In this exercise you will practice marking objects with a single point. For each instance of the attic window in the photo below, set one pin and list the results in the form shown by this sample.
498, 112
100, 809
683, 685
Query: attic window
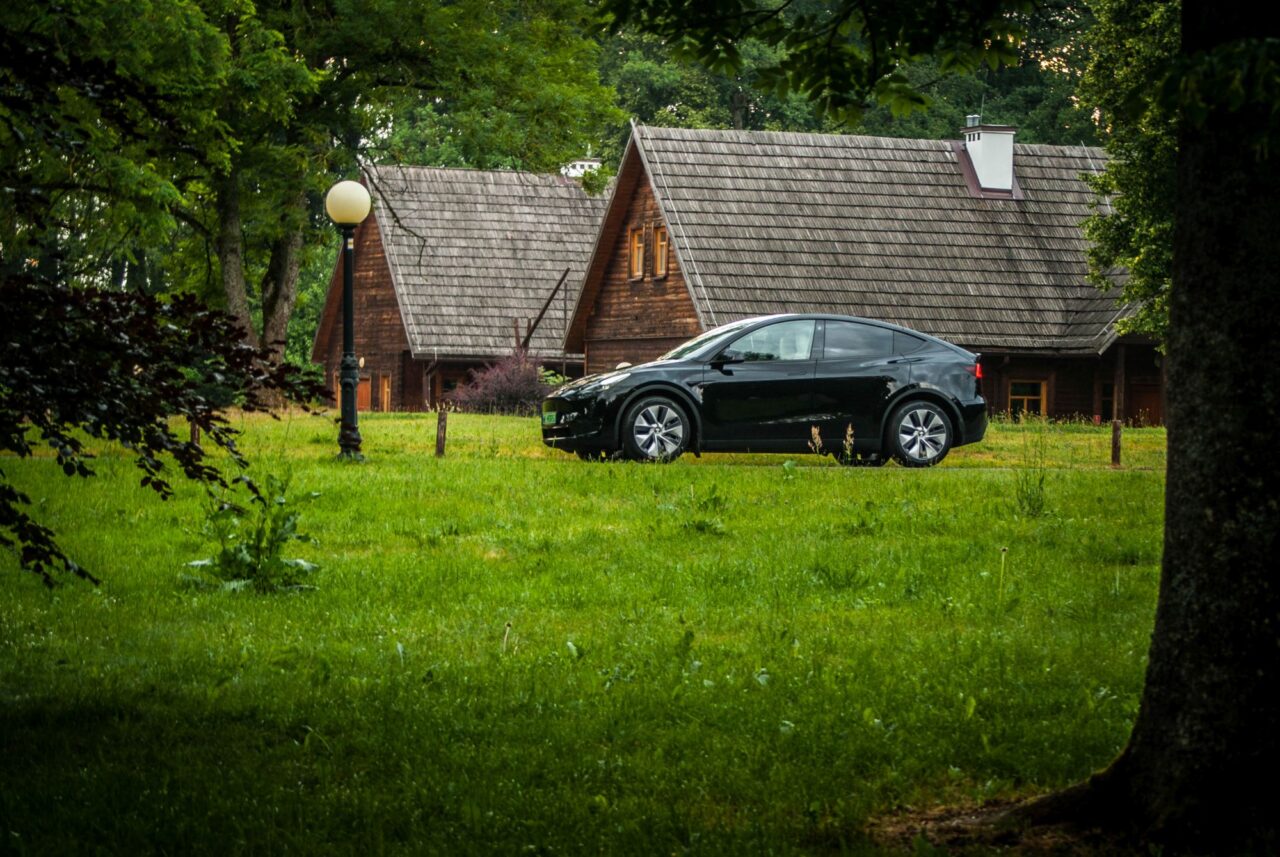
660, 245
635, 267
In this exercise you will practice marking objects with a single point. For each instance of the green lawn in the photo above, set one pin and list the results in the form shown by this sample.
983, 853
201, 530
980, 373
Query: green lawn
511, 651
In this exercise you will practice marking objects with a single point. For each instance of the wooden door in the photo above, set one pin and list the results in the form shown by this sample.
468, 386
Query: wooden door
384, 393
364, 395
1145, 406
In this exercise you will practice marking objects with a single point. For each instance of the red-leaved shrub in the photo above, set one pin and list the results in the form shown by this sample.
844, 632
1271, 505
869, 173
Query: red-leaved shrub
513, 385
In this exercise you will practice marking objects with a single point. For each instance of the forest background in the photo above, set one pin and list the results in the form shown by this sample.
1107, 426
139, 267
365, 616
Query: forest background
184, 146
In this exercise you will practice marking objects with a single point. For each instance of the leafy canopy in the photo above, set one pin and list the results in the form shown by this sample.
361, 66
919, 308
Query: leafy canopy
841, 56
82, 363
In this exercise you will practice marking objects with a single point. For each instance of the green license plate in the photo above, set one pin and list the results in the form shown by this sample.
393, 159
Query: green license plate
549, 418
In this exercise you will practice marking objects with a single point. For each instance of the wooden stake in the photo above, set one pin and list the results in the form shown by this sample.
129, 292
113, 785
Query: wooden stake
442, 421
1115, 442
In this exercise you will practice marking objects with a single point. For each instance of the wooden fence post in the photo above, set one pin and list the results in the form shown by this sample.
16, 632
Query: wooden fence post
442, 420
1115, 442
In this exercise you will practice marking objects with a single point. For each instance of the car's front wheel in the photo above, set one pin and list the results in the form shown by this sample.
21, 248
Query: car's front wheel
655, 429
920, 434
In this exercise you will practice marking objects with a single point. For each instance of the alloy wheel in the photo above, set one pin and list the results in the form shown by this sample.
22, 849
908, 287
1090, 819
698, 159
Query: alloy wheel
922, 434
658, 430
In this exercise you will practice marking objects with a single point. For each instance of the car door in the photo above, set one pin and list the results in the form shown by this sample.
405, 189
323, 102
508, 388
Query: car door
858, 372
757, 393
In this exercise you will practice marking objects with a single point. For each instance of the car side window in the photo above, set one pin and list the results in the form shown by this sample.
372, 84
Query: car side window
905, 343
846, 340
786, 340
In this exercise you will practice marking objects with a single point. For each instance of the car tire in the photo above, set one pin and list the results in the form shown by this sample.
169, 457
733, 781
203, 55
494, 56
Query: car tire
920, 434
655, 428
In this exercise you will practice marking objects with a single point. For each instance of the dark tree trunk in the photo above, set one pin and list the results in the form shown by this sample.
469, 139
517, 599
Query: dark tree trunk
230, 246
739, 101
280, 282
1204, 748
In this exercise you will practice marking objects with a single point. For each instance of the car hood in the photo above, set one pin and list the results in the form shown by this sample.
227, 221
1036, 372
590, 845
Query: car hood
604, 377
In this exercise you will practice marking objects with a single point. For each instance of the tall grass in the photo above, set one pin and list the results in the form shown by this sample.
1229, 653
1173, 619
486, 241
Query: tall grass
511, 651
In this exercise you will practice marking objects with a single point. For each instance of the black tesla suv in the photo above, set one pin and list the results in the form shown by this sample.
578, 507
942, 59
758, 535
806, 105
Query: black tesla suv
861, 390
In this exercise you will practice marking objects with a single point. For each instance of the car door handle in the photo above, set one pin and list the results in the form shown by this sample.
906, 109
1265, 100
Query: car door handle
905, 360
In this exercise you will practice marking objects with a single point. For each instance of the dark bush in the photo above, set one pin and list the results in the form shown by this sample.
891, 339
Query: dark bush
513, 385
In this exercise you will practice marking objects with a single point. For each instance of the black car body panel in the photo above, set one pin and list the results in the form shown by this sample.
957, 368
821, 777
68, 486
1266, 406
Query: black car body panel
754, 387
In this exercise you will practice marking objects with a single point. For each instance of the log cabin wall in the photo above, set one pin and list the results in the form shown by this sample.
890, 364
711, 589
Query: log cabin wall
379, 335
639, 318
1080, 387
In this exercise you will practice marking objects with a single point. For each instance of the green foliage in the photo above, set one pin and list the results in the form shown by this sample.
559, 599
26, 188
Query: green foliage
84, 364
1132, 47
1029, 491
251, 543
1139, 83
837, 654
528, 95
842, 57
186, 144
551, 378
91, 92
659, 81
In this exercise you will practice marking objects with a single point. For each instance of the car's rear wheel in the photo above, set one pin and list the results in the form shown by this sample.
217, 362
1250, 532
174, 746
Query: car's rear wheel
655, 429
920, 434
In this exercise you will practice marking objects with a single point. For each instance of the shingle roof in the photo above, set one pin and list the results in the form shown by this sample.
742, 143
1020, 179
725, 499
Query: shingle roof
470, 250
768, 222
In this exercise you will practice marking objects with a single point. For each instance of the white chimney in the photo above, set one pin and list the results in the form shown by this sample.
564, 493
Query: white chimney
990, 149
577, 169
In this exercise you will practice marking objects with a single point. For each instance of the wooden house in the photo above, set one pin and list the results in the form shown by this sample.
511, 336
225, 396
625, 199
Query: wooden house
453, 269
977, 241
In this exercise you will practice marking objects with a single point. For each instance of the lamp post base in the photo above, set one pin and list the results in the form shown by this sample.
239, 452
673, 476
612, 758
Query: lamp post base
349, 443
349, 440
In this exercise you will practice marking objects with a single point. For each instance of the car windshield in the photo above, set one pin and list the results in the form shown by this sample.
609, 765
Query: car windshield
699, 342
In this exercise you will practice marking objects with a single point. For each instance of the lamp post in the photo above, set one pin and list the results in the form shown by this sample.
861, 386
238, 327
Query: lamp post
347, 204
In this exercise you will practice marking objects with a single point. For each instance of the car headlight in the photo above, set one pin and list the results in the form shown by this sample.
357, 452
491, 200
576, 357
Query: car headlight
613, 379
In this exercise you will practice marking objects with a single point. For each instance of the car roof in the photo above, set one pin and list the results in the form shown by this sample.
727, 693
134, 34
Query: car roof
761, 320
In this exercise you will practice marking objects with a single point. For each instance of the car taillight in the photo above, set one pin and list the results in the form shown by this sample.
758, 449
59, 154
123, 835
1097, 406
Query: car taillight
976, 371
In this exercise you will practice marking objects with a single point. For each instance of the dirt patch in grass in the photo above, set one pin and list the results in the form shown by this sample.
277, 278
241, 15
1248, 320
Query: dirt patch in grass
988, 829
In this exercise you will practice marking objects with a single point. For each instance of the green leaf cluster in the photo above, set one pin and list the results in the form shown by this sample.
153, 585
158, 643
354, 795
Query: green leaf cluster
251, 542
1132, 47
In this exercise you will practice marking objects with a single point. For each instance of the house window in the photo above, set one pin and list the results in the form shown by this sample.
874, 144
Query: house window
1026, 397
660, 251
635, 267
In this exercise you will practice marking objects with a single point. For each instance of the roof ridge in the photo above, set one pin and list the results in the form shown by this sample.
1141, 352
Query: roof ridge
799, 137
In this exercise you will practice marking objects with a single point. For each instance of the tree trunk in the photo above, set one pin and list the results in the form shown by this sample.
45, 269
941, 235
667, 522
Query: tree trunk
739, 101
1209, 725
280, 282
231, 254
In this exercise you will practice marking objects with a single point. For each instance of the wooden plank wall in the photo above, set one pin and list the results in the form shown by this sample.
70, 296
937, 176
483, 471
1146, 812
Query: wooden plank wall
380, 335
638, 319
1073, 385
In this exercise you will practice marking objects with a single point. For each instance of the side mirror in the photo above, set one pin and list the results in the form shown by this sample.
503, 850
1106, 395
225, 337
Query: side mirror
726, 357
